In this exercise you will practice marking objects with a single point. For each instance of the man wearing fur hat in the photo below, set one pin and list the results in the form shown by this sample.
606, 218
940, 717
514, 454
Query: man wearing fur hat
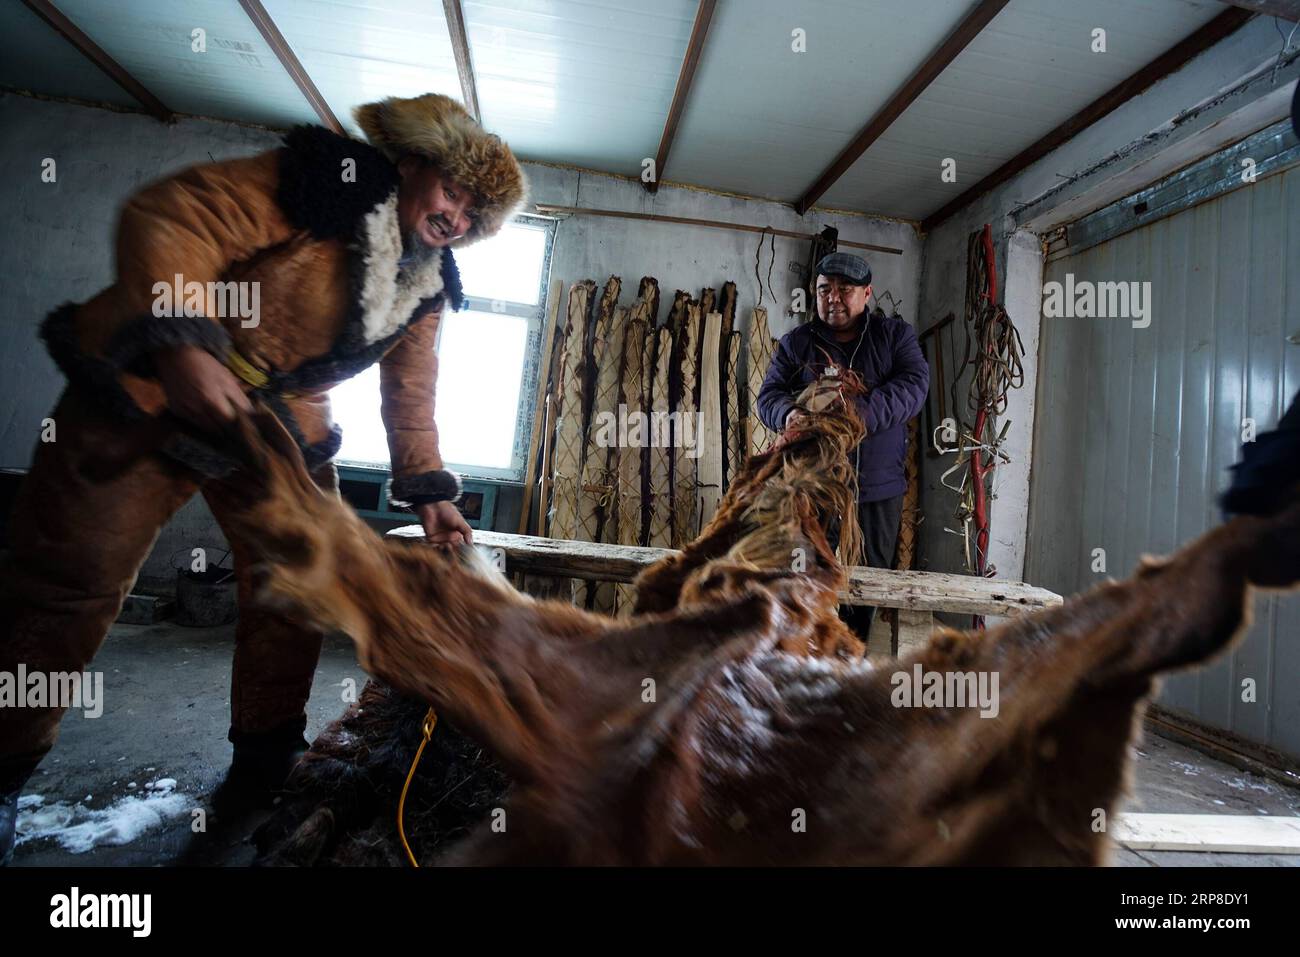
348, 247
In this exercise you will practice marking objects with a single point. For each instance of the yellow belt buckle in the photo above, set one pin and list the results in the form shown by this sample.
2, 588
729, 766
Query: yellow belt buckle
250, 373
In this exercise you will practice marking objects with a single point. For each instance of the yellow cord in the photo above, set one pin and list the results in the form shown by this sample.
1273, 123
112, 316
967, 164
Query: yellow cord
250, 373
430, 721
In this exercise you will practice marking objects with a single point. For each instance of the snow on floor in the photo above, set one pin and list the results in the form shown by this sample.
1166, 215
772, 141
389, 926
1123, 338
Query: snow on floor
78, 828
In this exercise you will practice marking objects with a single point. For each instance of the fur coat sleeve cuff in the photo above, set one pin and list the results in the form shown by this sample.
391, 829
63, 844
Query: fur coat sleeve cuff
439, 485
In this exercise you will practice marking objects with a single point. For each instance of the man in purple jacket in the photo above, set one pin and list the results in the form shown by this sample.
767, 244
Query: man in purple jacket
885, 353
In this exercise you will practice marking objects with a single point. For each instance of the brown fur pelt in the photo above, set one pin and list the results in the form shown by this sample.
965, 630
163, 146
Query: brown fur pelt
732, 720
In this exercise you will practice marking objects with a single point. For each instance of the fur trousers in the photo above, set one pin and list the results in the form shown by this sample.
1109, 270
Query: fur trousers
84, 522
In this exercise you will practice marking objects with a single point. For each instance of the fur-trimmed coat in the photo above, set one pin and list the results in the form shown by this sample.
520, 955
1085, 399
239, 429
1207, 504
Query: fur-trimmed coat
324, 248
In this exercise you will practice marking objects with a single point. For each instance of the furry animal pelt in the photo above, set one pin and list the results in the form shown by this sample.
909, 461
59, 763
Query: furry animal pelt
734, 720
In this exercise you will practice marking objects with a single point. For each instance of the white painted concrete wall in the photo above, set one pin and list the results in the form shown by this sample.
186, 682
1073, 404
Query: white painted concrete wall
59, 247
1189, 114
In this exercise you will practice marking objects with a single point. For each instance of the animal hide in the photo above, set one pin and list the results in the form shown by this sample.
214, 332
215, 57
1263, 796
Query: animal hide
733, 719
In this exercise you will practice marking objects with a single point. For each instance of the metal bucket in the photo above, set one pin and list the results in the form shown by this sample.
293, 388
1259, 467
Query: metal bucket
206, 598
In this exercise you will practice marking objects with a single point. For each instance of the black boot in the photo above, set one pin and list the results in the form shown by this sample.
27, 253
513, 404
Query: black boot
12, 780
262, 762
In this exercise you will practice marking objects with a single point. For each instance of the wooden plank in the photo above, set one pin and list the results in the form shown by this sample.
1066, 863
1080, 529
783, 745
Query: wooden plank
661, 451
1169, 61
649, 291
280, 47
598, 494
911, 629
921, 591
761, 349
539, 406
691, 60
547, 208
630, 452
543, 494
733, 435
97, 55
1221, 833
924, 75
712, 452
460, 50
686, 434
571, 428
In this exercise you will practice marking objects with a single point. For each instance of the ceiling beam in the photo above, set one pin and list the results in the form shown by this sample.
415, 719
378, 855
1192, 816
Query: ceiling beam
280, 47
1169, 61
1286, 9
694, 47
460, 47
957, 41
96, 54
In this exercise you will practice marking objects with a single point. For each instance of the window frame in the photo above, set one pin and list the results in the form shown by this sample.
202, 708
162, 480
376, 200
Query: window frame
533, 359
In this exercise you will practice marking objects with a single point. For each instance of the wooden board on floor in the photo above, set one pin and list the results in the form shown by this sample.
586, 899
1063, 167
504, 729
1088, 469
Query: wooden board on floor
1223, 833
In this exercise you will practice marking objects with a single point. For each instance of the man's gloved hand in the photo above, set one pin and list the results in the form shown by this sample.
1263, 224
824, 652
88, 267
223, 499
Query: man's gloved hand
443, 524
794, 417
199, 388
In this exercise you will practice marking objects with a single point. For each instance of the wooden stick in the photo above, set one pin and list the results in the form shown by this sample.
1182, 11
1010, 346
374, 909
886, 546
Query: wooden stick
543, 386
711, 450
545, 208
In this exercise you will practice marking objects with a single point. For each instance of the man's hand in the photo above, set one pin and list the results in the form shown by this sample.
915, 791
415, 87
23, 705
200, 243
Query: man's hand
794, 417
199, 388
443, 524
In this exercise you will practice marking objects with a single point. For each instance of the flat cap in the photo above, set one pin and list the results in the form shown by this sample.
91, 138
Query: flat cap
846, 265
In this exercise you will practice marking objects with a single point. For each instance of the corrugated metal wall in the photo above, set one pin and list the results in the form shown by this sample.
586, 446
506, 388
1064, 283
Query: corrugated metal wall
1137, 427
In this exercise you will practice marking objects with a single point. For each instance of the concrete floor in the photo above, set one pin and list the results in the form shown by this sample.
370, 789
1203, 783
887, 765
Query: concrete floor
166, 714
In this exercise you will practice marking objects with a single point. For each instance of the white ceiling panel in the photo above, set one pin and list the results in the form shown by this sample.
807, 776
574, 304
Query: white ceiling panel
237, 78
1028, 71
586, 83
359, 51
34, 57
765, 120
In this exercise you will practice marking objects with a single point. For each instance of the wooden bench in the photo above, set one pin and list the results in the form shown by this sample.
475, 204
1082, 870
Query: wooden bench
916, 594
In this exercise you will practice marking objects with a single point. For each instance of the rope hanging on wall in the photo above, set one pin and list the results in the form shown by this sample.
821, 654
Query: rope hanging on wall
993, 352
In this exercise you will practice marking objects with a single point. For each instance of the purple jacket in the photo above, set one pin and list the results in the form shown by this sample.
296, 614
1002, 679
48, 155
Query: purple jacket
888, 358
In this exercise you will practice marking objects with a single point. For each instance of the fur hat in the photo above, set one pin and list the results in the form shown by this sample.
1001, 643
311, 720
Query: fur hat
439, 129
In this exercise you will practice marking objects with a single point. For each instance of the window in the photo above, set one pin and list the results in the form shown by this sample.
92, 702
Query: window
488, 362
